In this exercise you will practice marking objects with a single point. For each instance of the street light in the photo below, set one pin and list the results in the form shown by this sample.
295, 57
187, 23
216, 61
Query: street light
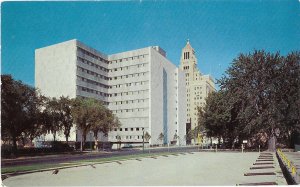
91, 141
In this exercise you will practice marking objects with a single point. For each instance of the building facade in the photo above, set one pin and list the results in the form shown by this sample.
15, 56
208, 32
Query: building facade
141, 87
198, 86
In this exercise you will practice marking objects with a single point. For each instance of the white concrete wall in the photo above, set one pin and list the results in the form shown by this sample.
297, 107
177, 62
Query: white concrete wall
55, 69
182, 107
161, 115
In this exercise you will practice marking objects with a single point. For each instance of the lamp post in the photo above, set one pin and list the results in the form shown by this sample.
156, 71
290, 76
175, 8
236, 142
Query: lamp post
91, 141
143, 140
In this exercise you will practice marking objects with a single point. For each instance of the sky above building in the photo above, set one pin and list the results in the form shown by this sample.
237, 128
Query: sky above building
218, 30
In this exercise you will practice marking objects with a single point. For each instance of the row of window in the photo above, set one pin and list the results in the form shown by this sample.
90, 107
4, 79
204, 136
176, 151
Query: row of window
84, 61
127, 67
126, 129
89, 90
130, 75
92, 82
129, 110
91, 73
130, 84
129, 137
129, 101
85, 52
128, 58
186, 55
131, 93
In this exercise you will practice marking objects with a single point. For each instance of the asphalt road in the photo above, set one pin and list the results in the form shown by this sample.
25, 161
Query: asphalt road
56, 159
197, 168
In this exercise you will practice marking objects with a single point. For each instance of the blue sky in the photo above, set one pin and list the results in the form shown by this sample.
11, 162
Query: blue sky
218, 30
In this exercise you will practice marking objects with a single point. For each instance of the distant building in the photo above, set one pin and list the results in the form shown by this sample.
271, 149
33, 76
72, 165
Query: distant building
141, 87
198, 86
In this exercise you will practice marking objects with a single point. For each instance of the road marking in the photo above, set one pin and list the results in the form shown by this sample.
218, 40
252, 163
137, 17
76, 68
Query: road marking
254, 174
263, 167
55, 171
265, 163
258, 184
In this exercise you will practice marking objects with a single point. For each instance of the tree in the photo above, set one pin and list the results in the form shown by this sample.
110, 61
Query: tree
118, 137
20, 106
161, 137
83, 112
264, 93
52, 117
90, 114
65, 115
147, 136
218, 118
106, 121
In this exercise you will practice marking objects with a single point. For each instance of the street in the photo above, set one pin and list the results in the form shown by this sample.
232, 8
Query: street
198, 168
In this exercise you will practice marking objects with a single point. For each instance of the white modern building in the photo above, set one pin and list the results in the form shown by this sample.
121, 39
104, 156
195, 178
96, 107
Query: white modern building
142, 88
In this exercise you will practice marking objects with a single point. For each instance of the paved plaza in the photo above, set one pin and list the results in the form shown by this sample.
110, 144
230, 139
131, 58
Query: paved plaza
198, 168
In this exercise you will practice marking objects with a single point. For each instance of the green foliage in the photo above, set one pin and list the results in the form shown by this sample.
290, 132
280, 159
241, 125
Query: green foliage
161, 137
91, 115
26, 114
259, 95
20, 106
65, 115
147, 136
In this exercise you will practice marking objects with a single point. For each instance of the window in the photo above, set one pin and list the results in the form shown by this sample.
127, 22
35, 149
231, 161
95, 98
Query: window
121, 128
131, 129
137, 129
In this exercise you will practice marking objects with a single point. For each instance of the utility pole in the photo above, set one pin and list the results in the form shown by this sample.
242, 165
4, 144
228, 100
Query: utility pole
143, 140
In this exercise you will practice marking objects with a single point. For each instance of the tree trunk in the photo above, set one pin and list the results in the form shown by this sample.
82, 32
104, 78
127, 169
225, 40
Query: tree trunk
15, 148
54, 136
67, 139
81, 145
23, 141
96, 140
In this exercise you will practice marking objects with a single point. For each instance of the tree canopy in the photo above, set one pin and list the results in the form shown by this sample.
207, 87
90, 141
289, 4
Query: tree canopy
91, 115
28, 114
259, 97
20, 106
